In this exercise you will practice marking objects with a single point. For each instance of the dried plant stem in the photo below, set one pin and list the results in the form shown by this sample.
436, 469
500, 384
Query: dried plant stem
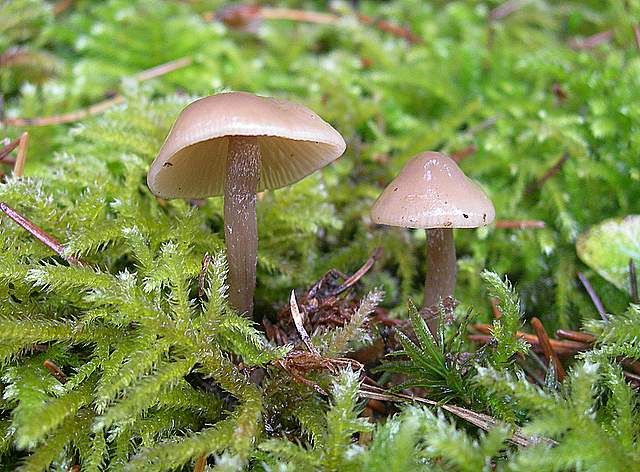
576, 336
505, 9
480, 420
298, 320
594, 296
359, 273
41, 235
18, 168
102, 106
243, 16
201, 463
549, 353
462, 154
553, 170
633, 282
7, 148
592, 41
519, 224
55, 371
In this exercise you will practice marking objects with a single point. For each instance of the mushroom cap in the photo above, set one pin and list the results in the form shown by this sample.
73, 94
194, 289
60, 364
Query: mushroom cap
293, 140
432, 192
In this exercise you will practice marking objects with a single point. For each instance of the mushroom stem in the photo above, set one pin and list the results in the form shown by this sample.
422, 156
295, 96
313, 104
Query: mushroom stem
240, 225
440, 281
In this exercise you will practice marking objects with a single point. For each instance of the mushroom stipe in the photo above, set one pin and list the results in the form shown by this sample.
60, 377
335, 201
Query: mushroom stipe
237, 144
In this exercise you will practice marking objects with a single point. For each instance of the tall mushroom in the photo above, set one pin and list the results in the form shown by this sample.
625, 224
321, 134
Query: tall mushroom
431, 192
238, 144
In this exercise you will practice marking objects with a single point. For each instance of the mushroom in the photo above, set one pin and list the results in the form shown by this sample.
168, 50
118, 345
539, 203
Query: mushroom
238, 144
431, 192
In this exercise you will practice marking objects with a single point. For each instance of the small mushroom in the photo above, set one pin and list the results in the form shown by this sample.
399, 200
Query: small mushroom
237, 144
431, 192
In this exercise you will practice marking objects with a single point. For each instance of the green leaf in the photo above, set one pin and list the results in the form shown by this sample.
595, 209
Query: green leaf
608, 247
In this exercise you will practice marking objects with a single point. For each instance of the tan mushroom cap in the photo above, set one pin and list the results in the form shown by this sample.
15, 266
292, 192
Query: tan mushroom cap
432, 192
293, 140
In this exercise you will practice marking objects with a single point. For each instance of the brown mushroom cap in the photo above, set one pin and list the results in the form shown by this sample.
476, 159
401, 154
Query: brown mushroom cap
293, 140
432, 192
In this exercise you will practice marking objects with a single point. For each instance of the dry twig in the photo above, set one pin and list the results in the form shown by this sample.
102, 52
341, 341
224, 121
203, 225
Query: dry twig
247, 17
594, 296
479, 420
299, 322
102, 106
18, 168
40, 234
549, 353
553, 170
55, 371
633, 282
519, 224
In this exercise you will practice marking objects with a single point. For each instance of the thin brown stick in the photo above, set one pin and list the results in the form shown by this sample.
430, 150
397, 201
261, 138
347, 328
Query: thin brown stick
359, 273
553, 170
519, 224
549, 353
635, 378
299, 322
302, 16
505, 9
62, 6
7, 148
488, 123
592, 41
480, 420
244, 16
497, 314
576, 336
41, 235
201, 463
559, 346
21, 159
633, 282
102, 106
594, 296
636, 35
390, 28
462, 154
202, 277
630, 364
55, 371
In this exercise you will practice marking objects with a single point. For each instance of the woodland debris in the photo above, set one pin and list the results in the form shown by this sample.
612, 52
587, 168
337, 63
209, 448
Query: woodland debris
18, 168
462, 154
553, 170
299, 323
55, 371
327, 304
201, 463
102, 106
594, 296
7, 148
249, 17
297, 363
485, 422
550, 354
519, 224
40, 234
590, 42
505, 9
633, 282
